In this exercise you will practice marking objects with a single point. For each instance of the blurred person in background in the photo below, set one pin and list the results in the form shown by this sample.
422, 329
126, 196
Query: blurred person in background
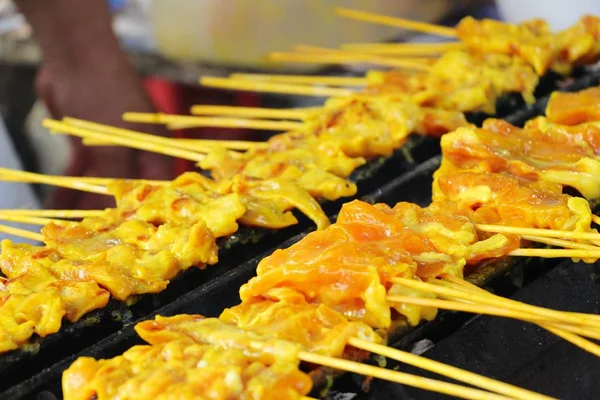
85, 74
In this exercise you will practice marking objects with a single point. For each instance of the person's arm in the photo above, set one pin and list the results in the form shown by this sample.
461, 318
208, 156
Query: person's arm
85, 74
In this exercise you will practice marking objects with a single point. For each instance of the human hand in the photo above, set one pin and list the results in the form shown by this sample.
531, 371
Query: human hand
100, 94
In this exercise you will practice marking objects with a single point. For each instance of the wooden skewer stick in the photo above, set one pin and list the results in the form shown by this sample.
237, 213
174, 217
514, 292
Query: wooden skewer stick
54, 213
494, 311
467, 307
306, 79
556, 253
106, 181
352, 57
193, 122
538, 232
578, 341
447, 370
273, 87
309, 58
557, 329
423, 27
405, 49
453, 293
560, 242
399, 377
596, 219
255, 112
112, 132
191, 143
22, 176
24, 219
140, 144
38, 237
461, 284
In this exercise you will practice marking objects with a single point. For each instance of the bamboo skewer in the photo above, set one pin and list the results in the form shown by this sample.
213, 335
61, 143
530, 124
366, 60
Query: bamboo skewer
30, 220
423, 27
22, 176
94, 184
190, 144
38, 237
306, 79
273, 87
559, 330
449, 371
193, 122
403, 49
399, 377
561, 316
53, 213
556, 253
489, 299
140, 144
467, 307
578, 341
538, 232
112, 133
560, 242
495, 311
320, 55
254, 112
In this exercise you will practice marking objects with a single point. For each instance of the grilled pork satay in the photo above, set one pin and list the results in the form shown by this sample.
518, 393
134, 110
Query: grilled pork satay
461, 81
335, 143
587, 132
85, 261
500, 199
184, 201
35, 302
574, 108
529, 154
193, 197
315, 327
134, 258
350, 265
534, 42
371, 125
213, 361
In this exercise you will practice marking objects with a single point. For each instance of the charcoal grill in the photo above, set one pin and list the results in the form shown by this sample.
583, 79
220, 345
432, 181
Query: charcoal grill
499, 348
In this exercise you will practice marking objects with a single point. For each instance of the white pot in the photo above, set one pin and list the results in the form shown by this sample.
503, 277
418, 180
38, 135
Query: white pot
559, 13
242, 32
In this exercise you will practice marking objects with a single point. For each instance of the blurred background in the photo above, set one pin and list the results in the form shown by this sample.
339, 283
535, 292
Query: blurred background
172, 43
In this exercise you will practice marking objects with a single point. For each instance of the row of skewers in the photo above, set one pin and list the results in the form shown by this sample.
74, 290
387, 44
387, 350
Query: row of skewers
340, 289
161, 228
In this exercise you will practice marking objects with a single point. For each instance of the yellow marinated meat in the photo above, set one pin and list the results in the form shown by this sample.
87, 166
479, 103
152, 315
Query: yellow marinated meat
499, 147
299, 166
499, 199
134, 258
586, 132
186, 200
349, 266
375, 125
534, 42
574, 108
185, 371
280, 196
578, 45
35, 302
465, 82
458, 82
315, 327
